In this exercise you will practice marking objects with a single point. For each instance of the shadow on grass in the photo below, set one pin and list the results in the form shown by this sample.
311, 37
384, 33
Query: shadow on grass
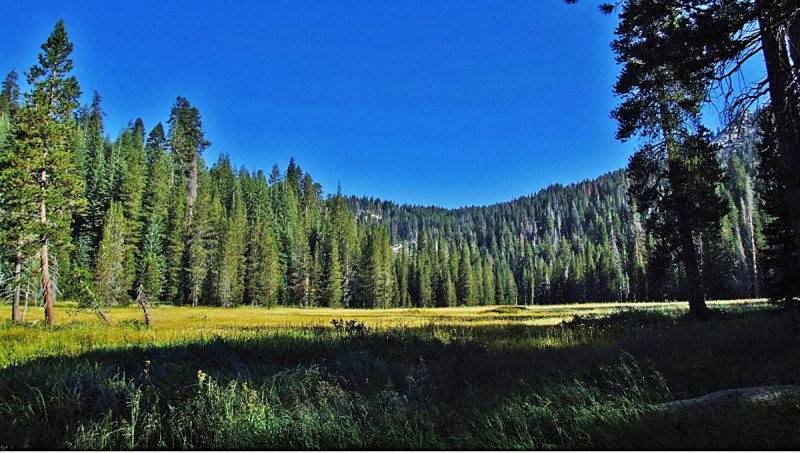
457, 379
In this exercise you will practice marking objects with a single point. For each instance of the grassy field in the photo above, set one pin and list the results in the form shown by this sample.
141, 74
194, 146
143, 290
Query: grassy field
568, 376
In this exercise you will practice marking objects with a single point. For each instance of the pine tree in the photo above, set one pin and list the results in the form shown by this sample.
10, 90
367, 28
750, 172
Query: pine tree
423, 292
667, 171
15, 204
153, 266
263, 277
187, 142
110, 278
488, 281
780, 254
331, 278
707, 42
44, 130
160, 178
466, 294
344, 231
175, 244
231, 247
9, 95
131, 188
98, 174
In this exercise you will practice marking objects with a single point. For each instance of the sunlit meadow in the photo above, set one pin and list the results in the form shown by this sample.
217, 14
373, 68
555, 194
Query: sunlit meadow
565, 376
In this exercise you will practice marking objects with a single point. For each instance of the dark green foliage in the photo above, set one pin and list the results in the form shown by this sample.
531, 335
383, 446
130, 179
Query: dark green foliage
674, 174
262, 276
153, 266
40, 183
110, 276
9, 95
779, 252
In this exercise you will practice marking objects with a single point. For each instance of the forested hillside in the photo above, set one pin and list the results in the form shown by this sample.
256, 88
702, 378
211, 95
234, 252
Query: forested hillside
580, 242
141, 217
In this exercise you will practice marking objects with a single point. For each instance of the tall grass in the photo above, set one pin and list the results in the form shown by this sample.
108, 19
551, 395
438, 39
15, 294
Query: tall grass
355, 383
300, 409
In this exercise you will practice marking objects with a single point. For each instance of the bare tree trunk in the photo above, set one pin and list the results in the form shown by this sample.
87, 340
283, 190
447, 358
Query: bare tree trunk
17, 274
753, 248
97, 306
192, 236
783, 92
25, 310
49, 314
192, 195
793, 32
141, 299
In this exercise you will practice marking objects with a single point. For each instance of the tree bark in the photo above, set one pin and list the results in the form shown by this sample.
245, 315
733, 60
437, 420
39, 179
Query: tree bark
49, 314
753, 247
17, 273
793, 33
783, 93
27, 293
697, 300
694, 280
141, 299
192, 195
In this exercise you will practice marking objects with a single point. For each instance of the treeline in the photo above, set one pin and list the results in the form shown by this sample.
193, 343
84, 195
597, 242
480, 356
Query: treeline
584, 242
142, 218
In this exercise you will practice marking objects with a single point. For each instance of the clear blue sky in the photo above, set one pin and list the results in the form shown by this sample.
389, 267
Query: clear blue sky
447, 103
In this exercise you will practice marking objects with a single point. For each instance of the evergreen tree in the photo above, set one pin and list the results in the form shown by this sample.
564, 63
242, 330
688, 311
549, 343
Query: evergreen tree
488, 281
331, 294
44, 130
780, 254
15, 203
667, 172
262, 265
175, 244
110, 278
152, 268
187, 142
98, 177
231, 246
466, 291
9, 95
708, 42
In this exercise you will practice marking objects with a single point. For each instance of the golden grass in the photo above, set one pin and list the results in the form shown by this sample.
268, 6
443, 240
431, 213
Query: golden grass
81, 330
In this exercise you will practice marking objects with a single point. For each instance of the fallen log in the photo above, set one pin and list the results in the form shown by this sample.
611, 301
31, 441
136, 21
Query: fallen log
730, 397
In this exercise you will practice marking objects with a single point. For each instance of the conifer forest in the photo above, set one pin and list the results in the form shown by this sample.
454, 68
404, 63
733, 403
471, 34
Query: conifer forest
589, 314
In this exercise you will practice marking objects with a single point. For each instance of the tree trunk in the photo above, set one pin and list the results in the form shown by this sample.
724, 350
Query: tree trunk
783, 93
49, 314
141, 299
27, 293
694, 280
753, 248
17, 272
793, 32
697, 300
192, 195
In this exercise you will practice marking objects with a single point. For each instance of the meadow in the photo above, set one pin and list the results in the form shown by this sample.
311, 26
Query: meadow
565, 376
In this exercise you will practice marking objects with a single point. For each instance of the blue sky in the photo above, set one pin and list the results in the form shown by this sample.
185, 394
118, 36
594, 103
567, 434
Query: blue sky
419, 101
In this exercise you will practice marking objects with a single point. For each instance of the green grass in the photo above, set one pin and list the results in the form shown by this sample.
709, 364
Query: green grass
479, 377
